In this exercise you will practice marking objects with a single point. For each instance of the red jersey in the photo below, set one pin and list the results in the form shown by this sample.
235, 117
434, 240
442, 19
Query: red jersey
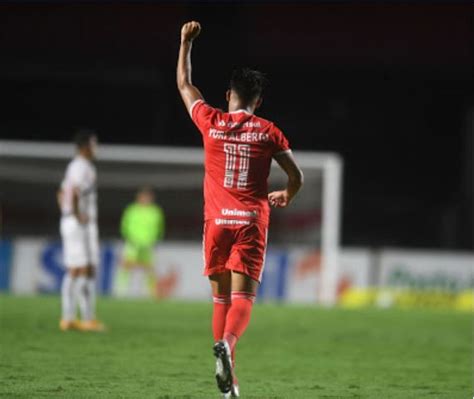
238, 148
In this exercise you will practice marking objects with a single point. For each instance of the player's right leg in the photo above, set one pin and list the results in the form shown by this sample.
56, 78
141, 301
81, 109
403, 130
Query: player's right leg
68, 301
124, 278
75, 259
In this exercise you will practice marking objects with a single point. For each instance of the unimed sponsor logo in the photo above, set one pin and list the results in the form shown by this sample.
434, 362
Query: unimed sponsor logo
238, 212
231, 222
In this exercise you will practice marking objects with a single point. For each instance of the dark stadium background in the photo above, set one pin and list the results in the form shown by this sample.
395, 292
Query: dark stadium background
390, 87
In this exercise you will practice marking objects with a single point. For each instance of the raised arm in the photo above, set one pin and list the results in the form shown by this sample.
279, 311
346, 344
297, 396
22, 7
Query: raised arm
189, 92
281, 199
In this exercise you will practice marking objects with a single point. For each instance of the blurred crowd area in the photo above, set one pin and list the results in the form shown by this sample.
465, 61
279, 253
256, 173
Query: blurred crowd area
389, 87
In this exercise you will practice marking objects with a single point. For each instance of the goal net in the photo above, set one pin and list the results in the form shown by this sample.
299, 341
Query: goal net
30, 174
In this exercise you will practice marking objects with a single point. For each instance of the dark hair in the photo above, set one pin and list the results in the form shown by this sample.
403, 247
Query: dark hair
83, 137
247, 83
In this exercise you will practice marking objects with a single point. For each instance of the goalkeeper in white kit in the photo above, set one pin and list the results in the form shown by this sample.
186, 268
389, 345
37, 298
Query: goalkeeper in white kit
77, 199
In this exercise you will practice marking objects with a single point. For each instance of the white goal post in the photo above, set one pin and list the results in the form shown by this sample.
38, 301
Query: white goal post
329, 164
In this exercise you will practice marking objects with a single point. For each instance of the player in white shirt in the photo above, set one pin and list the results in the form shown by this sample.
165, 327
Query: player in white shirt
77, 199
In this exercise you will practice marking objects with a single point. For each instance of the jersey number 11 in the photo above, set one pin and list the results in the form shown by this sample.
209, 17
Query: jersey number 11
232, 153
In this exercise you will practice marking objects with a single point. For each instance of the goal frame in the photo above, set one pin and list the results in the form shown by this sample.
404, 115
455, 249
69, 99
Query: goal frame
329, 163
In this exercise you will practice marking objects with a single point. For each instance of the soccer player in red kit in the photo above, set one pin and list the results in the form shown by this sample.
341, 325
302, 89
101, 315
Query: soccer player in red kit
239, 148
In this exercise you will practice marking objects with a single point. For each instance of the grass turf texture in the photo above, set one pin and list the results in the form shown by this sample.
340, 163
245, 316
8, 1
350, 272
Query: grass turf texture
163, 350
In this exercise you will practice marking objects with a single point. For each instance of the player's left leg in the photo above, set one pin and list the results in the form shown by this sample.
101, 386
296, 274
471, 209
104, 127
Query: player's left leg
147, 263
90, 322
122, 280
246, 262
75, 259
220, 285
68, 300
218, 242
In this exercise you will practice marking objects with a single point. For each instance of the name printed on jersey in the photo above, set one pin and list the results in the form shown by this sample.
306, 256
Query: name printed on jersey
244, 137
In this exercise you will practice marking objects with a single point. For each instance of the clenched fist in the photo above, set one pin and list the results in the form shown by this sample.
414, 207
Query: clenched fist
190, 31
279, 199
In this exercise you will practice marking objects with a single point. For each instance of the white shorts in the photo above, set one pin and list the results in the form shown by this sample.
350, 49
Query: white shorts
80, 243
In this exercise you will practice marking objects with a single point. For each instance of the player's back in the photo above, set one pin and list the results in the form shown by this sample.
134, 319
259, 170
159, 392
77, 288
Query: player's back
239, 147
80, 175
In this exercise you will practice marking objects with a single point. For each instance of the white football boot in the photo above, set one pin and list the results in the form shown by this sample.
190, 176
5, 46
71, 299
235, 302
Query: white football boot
224, 375
234, 390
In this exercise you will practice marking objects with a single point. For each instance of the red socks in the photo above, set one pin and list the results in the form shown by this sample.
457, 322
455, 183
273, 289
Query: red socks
238, 316
231, 318
221, 306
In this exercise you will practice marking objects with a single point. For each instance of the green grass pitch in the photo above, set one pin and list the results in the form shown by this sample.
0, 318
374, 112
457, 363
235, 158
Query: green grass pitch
163, 350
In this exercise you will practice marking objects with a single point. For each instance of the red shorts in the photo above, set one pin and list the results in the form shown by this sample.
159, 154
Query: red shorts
240, 248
